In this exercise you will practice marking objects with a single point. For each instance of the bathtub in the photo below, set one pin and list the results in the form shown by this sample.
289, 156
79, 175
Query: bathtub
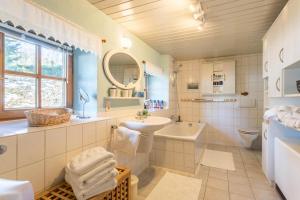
178, 146
181, 131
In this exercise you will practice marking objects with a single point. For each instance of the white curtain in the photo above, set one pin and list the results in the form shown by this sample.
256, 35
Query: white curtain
153, 69
41, 21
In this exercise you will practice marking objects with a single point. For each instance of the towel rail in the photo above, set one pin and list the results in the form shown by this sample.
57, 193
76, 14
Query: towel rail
209, 100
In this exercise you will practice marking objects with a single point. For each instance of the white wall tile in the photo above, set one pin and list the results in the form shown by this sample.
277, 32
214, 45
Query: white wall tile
89, 133
189, 147
56, 140
31, 148
33, 173
101, 130
9, 175
10, 156
178, 146
220, 116
74, 137
54, 170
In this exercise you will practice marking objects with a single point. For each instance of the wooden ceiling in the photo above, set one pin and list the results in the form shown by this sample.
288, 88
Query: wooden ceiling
232, 26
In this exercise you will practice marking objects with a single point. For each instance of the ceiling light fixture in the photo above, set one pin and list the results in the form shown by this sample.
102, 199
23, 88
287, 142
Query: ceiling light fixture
198, 14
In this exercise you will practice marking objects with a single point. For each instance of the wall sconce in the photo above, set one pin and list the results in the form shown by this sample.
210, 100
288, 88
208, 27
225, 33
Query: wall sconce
126, 43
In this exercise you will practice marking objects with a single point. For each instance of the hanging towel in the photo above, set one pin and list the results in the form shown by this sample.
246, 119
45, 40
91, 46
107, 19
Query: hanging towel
96, 189
15, 190
88, 160
145, 143
126, 141
103, 176
106, 167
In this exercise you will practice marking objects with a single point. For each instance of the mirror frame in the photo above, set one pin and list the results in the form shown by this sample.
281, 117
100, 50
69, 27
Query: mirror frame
109, 75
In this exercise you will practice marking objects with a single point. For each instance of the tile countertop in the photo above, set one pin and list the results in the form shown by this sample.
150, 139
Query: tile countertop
16, 127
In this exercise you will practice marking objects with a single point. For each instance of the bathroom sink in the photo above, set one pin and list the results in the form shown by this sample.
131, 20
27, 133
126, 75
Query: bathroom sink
147, 125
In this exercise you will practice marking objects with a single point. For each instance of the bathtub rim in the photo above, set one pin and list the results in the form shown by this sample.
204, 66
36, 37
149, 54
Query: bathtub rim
194, 138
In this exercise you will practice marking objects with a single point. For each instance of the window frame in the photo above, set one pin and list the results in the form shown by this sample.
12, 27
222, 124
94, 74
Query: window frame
9, 114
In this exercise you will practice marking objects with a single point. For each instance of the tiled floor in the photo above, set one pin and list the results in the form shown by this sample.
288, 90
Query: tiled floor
246, 183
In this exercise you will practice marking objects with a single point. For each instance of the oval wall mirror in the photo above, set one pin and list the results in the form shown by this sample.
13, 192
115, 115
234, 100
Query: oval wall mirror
122, 69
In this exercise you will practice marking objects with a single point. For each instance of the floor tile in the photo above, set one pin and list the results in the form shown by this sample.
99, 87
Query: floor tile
240, 197
218, 174
215, 194
237, 179
217, 183
241, 189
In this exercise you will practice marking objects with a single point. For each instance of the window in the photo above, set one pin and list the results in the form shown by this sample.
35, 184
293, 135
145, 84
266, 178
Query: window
34, 76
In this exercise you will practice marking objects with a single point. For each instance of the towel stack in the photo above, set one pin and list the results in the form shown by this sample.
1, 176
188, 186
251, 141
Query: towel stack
288, 115
91, 172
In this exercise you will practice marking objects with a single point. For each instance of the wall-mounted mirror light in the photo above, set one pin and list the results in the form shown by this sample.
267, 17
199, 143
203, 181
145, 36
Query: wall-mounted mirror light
126, 43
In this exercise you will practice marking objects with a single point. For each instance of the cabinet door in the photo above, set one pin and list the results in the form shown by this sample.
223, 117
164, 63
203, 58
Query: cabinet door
266, 51
291, 32
264, 158
206, 78
275, 43
229, 78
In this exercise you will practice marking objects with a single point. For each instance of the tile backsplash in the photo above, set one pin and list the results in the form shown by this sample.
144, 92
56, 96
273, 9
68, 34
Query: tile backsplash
224, 118
40, 157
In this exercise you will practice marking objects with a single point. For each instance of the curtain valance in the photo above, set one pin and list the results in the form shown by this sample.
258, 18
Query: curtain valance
33, 19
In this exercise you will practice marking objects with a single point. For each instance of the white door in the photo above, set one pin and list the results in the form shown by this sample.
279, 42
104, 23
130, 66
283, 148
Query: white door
207, 78
229, 77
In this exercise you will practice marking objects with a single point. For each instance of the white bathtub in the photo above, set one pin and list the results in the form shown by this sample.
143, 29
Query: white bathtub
178, 146
181, 131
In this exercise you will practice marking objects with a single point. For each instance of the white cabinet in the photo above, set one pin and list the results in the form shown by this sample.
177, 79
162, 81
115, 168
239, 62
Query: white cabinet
281, 47
229, 76
275, 44
265, 151
218, 78
291, 31
206, 78
266, 52
287, 163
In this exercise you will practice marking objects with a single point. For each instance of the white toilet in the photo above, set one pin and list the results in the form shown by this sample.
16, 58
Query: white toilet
248, 137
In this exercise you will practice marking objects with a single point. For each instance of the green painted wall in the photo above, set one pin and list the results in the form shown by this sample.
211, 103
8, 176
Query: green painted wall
87, 16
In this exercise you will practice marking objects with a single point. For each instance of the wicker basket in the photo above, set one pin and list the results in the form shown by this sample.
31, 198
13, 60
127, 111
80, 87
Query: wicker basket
47, 117
64, 191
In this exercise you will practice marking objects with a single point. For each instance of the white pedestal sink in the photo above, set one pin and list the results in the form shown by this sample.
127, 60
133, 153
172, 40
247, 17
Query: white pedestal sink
147, 127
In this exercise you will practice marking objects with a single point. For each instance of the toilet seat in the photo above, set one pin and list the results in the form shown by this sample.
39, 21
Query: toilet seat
250, 132
248, 137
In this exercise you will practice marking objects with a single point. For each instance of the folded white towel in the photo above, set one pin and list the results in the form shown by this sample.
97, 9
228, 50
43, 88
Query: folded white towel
283, 115
145, 146
15, 190
98, 178
92, 191
126, 141
108, 166
88, 159
270, 114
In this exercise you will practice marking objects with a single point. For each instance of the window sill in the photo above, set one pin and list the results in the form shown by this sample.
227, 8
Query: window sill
20, 126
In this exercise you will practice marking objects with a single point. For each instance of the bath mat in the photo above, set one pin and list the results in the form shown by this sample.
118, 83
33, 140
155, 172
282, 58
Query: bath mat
176, 187
218, 159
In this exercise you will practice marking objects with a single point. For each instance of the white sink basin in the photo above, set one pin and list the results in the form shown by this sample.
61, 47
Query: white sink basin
148, 125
